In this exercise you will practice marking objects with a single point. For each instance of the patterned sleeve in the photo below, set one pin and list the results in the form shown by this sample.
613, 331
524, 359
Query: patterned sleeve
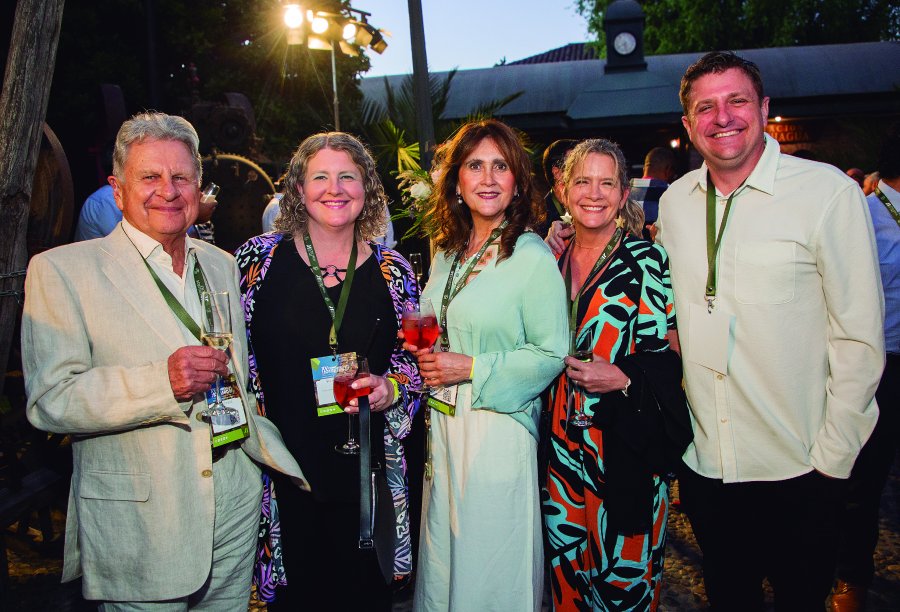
656, 313
404, 369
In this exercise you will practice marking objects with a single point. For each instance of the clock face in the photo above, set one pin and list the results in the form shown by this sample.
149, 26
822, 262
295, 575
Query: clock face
624, 43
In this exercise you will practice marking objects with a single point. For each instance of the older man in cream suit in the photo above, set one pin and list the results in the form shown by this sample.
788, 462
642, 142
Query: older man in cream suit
158, 519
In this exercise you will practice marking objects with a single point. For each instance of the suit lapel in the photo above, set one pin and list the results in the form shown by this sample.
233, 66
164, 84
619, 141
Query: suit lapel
123, 265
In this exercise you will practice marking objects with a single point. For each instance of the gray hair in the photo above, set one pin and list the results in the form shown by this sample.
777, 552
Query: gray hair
372, 220
155, 126
631, 211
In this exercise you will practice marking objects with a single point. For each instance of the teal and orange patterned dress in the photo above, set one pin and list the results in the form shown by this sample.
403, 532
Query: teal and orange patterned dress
627, 309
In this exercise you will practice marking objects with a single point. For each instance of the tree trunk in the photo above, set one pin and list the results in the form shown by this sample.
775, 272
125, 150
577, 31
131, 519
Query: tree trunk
23, 106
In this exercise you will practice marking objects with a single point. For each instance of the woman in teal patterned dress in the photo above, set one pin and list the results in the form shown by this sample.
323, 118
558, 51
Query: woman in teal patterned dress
605, 499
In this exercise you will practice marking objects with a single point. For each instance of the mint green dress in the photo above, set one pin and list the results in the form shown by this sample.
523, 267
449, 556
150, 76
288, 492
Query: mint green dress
480, 546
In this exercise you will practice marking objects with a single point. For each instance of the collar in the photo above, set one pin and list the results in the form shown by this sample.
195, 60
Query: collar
892, 194
762, 177
148, 246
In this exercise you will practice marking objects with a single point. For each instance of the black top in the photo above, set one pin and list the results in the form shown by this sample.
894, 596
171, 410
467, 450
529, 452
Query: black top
290, 326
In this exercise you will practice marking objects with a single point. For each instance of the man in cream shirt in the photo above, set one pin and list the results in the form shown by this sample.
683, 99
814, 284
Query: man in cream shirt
781, 338
157, 518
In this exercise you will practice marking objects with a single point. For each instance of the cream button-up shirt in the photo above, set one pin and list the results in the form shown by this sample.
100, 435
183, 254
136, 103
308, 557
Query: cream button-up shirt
798, 269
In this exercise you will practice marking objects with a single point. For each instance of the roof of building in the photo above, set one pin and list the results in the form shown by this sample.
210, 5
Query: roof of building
561, 93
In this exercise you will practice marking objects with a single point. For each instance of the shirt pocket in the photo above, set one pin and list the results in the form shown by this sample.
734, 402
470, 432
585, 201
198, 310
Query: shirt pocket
765, 272
119, 486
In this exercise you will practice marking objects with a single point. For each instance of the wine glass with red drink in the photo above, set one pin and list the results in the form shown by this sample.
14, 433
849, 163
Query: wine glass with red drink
420, 326
350, 369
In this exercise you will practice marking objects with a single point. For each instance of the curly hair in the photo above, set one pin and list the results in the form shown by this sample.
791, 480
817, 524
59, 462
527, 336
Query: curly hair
453, 219
717, 62
372, 220
631, 211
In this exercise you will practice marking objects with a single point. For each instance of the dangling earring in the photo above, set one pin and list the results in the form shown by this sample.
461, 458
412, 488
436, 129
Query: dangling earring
516, 194
620, 221
459, 198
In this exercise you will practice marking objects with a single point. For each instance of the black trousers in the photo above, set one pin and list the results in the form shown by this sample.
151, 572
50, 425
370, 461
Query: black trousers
858, 521
782, 530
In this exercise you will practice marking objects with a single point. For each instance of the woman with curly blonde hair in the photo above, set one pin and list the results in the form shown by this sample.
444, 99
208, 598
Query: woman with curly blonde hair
319, 255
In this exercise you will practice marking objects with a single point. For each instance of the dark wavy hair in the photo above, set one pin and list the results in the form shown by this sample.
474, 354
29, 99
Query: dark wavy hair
717, 62
452, 218
372, 219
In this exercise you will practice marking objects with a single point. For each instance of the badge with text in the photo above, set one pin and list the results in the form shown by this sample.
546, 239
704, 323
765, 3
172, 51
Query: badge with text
443, 399
324, 371
227, 426
711, 337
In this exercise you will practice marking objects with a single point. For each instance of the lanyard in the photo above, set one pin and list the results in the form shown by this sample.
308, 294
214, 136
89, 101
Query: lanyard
887, 204
337, 314
560, 209
598, 265
450, 291
173, 303
713, 241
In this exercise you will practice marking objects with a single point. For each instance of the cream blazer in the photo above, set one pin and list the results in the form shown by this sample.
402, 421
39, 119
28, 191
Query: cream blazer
96, 337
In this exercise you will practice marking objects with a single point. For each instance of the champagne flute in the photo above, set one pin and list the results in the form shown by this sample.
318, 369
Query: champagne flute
578, 418
350, 369
216, 332
415, 260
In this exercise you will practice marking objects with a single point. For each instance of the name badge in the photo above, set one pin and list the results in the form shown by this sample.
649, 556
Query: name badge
324, 370
226, 429
443, 399
711, 337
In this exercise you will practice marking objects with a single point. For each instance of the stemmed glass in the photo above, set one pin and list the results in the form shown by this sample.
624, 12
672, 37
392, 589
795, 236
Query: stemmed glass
216, 314
578, 418
415, 260
420, 326
350, 369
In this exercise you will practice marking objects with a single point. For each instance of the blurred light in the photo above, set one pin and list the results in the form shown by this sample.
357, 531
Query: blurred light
675, 143
778, 119
349, 33
293, 16
314, 42
319, 25
247, 42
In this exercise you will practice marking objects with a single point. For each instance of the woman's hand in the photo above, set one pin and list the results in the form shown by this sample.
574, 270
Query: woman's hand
441, 369
596, 376
381, 397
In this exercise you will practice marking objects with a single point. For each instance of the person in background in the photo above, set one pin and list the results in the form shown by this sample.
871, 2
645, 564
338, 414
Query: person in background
870, 183
552, 162
606, 498
321, 255
659, 171
503, 316
858, 522
158, 519
780, 314
857, 175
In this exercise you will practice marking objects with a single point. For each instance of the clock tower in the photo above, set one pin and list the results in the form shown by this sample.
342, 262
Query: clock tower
623, 24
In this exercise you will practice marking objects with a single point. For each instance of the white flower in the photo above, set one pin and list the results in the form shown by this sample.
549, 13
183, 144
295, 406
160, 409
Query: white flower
566, 218
420, 190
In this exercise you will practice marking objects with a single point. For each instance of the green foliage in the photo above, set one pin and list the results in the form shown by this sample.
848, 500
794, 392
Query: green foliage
681, 26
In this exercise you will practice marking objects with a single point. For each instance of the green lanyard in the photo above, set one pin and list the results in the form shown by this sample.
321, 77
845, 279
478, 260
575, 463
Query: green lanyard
337, 314
173, 303
888, 205
450, 291
601, 261
713, 242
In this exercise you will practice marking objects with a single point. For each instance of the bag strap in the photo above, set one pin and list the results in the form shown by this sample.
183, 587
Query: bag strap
366, 512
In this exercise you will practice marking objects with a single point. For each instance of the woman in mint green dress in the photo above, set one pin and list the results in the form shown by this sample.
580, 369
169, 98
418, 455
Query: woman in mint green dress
502, 305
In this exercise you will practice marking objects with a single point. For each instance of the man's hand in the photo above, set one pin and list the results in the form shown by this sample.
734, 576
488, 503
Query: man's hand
558, 236
596, 376
193, 369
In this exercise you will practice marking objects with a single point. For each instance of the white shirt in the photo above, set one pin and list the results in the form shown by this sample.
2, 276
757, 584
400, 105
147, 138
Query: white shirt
799, 270
182, 287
